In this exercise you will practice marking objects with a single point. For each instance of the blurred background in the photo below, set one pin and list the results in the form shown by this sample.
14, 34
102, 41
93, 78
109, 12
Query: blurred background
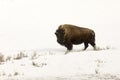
30, 24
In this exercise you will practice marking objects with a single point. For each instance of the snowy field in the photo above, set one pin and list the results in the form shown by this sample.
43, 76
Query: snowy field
55, 65
28, 47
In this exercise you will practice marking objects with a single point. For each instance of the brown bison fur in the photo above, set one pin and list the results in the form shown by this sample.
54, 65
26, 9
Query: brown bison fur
67, 35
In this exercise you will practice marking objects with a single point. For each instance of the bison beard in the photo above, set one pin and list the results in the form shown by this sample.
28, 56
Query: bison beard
67, 35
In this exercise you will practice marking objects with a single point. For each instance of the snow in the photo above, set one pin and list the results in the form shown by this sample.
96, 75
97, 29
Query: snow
76, 65
28, 47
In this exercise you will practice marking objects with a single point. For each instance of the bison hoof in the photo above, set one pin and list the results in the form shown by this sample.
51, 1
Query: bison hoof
67, 51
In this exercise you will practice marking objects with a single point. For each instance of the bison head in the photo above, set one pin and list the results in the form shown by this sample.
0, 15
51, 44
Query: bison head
60, 36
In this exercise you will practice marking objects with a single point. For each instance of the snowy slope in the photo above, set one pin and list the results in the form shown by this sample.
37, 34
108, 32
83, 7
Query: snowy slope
88, 65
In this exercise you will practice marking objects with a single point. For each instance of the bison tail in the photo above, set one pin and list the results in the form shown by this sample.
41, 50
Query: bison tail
93, 36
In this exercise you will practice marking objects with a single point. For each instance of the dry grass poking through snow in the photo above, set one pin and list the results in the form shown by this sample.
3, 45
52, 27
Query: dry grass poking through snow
1, 58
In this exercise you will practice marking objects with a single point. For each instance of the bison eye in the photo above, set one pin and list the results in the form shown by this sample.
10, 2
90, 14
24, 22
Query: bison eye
62, 32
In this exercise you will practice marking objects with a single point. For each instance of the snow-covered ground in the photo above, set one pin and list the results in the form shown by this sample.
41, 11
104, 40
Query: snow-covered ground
28, 47
47, 65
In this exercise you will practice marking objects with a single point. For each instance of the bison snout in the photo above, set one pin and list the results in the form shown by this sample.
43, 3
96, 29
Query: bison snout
56, 33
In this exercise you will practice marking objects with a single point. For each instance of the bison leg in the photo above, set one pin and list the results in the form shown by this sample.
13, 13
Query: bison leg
86, 45
93, 45
69, 46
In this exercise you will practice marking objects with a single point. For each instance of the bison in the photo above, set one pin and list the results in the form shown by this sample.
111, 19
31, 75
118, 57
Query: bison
68, 34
